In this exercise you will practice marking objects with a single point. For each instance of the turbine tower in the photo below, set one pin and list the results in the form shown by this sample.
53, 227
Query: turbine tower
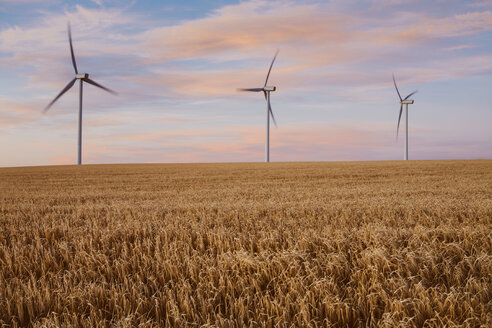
82, 77
405, 101
266, 91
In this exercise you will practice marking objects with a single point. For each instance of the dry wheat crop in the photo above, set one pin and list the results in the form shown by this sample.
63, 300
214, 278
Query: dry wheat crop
370, 244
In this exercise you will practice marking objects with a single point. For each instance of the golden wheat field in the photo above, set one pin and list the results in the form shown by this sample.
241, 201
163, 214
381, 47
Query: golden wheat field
354, 244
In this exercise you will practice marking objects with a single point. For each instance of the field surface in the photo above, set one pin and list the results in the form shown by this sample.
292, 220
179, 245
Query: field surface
368, 244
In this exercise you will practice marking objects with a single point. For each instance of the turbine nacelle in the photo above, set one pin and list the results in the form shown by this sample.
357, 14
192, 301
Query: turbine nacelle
406, 102
267, 88
81, 76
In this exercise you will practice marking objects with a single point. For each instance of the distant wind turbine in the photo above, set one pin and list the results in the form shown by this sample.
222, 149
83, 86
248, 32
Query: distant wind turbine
83, 77
405, 101
266, 91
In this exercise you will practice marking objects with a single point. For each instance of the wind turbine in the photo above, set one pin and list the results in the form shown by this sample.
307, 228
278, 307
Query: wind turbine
405, 101
266, 91
82, 77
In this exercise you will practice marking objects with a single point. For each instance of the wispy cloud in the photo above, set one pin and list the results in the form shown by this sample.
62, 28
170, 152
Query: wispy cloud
480, 3
13, 113
460, 47
313, 41
423, 28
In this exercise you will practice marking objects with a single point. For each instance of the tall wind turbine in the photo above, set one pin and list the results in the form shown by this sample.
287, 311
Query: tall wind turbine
82, 77
405, 101
266, 91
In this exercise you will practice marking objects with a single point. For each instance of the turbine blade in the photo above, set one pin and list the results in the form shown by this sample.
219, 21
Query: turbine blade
67, 87
71, 49
271, 113
268, 75
251, 89
399, 118
99, 86
410, 95
394, 82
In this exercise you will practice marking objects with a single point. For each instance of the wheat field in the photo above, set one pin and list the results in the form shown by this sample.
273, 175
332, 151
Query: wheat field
348, 244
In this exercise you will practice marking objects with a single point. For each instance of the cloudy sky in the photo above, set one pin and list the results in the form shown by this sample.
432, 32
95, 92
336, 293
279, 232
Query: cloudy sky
177, 64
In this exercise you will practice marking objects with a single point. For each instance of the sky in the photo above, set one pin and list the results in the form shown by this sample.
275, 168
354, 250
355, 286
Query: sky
176, 66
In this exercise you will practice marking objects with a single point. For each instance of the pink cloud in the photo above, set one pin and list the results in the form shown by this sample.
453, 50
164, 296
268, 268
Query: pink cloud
67, 159
483, 3
422, 28
247, 26
246, 143
460, 47
184, 133
288, 143
43, 46
306, 33
298, 142
13, 112
312, 39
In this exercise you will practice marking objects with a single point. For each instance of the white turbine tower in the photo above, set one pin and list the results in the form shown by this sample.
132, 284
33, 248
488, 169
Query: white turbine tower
405, 101
82, 77
266, 91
